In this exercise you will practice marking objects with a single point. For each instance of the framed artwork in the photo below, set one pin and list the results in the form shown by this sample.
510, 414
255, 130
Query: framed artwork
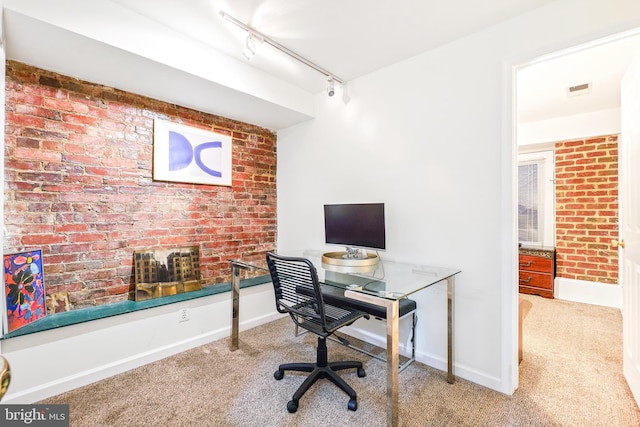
187, 154
161, 272
24, 289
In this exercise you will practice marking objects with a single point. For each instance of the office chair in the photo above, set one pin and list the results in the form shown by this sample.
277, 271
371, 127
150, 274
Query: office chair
298, 293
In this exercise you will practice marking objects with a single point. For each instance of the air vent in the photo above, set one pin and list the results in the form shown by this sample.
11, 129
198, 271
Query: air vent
581, 89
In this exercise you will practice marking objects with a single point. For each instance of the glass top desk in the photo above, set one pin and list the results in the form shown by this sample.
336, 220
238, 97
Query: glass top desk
381, 283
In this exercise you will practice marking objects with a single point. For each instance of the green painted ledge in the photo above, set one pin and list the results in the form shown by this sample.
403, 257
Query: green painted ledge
88, 314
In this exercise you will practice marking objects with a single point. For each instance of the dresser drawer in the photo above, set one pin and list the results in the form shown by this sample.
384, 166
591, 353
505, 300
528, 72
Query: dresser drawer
535, 263
545, 293
535, 280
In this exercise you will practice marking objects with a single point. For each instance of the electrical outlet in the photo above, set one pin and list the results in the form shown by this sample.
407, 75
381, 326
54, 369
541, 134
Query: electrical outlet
183, 315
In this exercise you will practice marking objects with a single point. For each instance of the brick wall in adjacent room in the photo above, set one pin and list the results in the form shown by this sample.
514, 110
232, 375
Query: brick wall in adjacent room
587, 209
78, 185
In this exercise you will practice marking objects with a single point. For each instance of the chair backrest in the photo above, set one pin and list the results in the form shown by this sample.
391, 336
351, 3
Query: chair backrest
297, 289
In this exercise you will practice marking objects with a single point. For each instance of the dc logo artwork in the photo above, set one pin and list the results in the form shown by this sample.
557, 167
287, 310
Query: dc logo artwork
182, 153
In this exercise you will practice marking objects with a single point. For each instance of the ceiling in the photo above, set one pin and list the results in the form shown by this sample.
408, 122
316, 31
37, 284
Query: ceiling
347, 38
542, 87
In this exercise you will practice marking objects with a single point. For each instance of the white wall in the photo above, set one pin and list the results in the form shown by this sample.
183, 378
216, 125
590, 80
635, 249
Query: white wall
432, 137
603, 122
48, 363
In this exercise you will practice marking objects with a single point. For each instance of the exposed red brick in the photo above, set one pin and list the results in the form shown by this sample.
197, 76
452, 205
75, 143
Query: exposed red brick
587, 209
78, 185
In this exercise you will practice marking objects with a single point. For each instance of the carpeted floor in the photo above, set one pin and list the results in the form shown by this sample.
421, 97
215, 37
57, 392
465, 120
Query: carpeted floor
571, 375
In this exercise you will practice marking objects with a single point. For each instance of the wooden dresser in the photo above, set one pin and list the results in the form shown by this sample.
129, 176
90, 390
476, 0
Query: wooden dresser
536, 271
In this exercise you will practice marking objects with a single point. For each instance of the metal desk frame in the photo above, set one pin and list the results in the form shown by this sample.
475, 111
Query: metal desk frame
392, 306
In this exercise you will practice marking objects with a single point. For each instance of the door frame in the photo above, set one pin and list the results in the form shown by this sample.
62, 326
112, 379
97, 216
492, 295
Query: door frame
509, 248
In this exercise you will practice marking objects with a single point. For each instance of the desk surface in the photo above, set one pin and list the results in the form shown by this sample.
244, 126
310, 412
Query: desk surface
386, 279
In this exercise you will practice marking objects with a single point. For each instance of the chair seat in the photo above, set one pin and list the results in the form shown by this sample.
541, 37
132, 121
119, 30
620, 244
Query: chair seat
336, 318
335, 296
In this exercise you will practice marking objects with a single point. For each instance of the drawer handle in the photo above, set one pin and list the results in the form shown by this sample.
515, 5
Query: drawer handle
526, 280
527, 264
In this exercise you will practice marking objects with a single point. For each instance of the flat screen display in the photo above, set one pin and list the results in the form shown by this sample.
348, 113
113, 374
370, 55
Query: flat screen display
359, 224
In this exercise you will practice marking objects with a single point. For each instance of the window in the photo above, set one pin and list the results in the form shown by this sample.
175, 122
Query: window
536, 224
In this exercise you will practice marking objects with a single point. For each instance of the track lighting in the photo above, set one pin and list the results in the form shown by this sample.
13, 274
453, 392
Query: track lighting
331, 87
250, 47
250, 50
345, 94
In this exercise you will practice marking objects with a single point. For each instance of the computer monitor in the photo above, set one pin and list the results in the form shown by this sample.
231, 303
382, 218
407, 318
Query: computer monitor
356, 225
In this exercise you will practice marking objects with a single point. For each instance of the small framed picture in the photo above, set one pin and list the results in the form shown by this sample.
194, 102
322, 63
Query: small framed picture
167, 271
25, 297
192, 155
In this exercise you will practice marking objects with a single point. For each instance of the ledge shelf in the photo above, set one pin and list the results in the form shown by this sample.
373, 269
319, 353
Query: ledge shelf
88, 314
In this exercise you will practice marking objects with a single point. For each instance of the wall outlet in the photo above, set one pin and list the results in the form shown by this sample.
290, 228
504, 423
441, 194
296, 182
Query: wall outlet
183, 315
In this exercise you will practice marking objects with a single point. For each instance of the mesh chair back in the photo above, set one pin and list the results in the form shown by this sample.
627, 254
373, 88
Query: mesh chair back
297, 289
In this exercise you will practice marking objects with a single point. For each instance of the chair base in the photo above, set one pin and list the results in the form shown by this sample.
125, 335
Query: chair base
320, 370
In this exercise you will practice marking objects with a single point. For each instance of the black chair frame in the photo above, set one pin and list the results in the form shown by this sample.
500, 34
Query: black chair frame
298, 293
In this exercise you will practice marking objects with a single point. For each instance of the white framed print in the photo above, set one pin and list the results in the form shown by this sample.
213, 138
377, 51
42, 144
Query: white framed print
187, 154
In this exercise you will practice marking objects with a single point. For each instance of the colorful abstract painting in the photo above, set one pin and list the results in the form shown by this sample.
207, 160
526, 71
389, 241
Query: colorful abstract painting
188, 154
24, 288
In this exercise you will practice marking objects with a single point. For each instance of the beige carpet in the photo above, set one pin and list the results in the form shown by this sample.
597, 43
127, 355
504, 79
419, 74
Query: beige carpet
571, 375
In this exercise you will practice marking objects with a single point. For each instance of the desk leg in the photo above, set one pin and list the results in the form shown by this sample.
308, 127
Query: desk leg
235, 305
393, 326
450, 318
393, 359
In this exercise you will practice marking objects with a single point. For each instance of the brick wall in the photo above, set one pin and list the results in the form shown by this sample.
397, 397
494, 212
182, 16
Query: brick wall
587, 209
78, 171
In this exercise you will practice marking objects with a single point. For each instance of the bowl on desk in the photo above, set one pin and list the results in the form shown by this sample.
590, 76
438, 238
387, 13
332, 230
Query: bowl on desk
342, 263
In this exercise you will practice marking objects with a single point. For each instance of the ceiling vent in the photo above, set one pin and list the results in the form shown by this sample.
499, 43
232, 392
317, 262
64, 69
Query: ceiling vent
577, 90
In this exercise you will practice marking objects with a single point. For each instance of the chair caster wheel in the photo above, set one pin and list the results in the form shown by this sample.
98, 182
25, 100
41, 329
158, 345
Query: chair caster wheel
352, 405
292, 406
278, 374
361, 373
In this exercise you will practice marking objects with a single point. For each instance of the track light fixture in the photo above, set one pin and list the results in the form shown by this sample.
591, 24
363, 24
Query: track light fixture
331, 87
249, 51
345, 94
250, 46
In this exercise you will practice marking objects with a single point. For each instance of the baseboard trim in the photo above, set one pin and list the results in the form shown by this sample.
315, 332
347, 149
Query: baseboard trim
62, 385
608, 295
375, 339
461, 371
434, 361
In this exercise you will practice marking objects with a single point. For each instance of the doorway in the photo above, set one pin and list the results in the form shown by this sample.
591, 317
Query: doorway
568, 104
549, 110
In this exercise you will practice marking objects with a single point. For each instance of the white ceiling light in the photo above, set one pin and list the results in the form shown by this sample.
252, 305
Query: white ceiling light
249, 51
